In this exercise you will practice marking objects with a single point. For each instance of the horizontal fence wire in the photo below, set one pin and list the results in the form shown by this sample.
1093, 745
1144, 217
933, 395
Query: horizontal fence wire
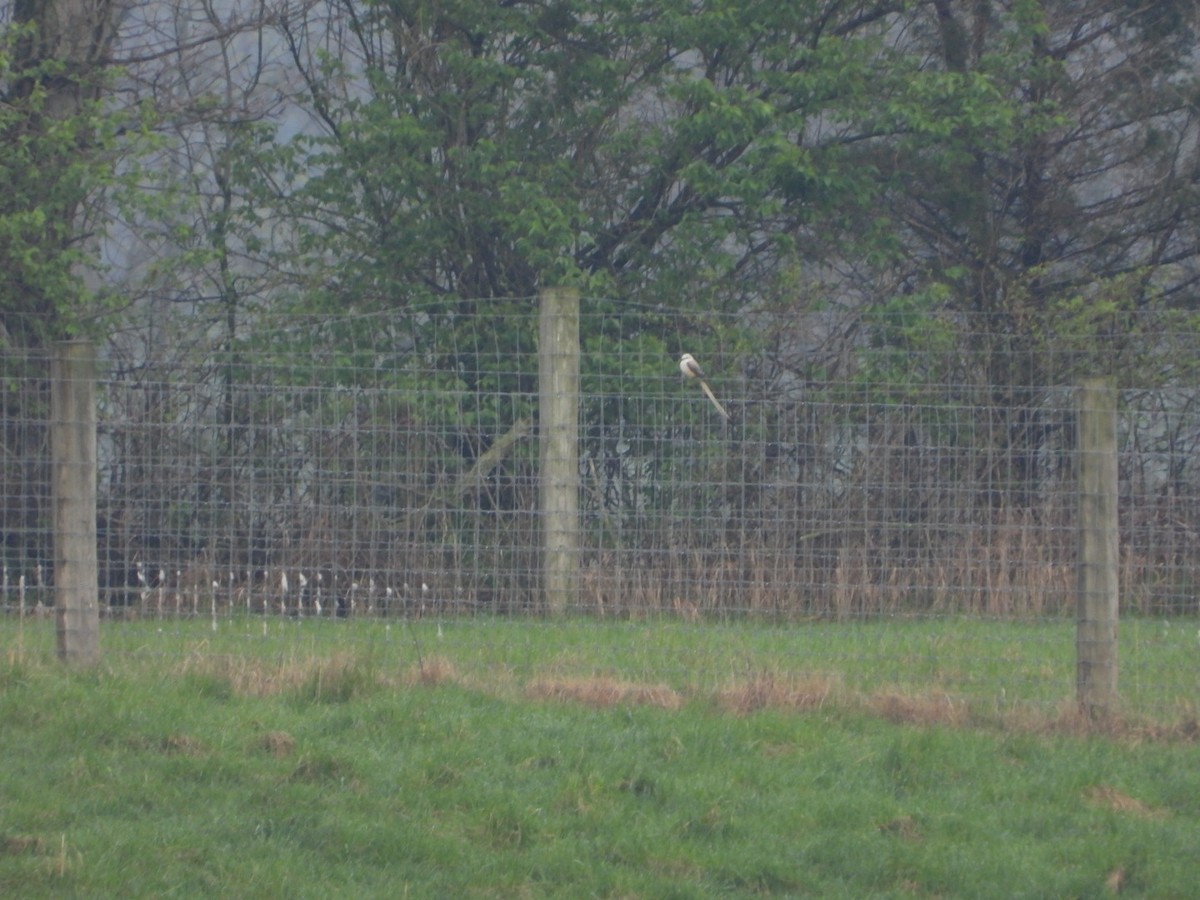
262, 472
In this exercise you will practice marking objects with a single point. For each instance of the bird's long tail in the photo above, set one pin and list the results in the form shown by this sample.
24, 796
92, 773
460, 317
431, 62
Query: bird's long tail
713, 398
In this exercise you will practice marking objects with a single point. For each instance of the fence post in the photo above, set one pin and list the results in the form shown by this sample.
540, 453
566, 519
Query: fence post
73, 492
558, 444
1096, 567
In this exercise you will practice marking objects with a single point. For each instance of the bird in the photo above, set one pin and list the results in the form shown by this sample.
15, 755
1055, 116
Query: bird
689, 367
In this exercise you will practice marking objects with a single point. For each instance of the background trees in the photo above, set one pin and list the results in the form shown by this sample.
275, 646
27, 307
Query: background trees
1040, 176
996, 157
819, 197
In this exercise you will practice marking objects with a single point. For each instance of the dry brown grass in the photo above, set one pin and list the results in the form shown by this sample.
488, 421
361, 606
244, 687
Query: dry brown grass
906, 708
17, 844
279, 744
603, 692
248, 676
788, 693
1110, 798
1068, 719
1017, 564
1115, 882
904, 827
182, 745
342, 673
935, 708
432, 671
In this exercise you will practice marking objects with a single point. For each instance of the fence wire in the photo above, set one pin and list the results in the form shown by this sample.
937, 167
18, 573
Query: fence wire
383, 467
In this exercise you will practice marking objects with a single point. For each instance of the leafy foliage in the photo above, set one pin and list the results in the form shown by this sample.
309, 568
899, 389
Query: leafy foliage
61, 149
644, 150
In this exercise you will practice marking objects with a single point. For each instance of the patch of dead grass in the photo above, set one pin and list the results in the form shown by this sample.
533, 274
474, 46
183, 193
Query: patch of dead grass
903, 827
433, 671
251, 677
789, 693
1115, 881
279, 744
782, 691
17, 844
1070, 720
604, 692
1117, 801
906, 708
182, 745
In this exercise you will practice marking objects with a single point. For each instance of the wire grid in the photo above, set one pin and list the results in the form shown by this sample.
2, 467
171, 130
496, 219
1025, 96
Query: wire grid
383, 468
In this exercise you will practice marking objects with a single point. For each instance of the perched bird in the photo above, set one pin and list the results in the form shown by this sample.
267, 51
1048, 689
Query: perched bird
689, 367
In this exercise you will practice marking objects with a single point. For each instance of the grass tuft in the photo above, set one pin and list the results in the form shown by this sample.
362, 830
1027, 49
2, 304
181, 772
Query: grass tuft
336, 680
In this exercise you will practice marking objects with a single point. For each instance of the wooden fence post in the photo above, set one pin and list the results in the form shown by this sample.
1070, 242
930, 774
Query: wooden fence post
1097, 563
73, 492
558, 444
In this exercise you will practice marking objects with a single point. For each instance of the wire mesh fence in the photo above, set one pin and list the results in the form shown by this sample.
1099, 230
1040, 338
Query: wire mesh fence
875, 470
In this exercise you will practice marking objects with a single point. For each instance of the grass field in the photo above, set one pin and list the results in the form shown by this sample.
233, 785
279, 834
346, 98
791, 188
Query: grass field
503, 758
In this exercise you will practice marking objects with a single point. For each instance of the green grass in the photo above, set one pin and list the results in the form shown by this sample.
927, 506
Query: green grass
350, 759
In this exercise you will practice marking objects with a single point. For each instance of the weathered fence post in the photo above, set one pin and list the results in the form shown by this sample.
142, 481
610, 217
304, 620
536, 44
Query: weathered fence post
1097, 573
558, 444
73, 492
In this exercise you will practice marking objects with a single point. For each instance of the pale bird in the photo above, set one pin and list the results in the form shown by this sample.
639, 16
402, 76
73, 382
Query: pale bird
689, 367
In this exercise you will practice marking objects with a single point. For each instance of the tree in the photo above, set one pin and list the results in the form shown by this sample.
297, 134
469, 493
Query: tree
55, 144
83, 222
675, 155
55, 148
1047, 152
648, 150
1039, 170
